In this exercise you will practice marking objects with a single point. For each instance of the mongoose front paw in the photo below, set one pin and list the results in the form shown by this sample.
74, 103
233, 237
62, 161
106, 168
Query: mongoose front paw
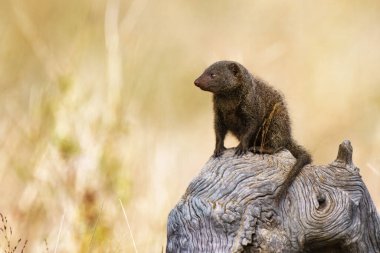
218, 151
241, 150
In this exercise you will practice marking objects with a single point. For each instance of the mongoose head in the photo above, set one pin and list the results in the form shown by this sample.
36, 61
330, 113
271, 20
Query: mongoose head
222, 77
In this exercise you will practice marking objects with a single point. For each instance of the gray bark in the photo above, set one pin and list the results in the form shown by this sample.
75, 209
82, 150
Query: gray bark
229, 207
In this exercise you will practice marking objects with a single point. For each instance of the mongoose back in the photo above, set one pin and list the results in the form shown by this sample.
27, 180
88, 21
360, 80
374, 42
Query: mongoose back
254, 112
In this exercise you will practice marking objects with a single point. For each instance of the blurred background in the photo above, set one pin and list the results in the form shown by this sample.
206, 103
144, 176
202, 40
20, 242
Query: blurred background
98, 106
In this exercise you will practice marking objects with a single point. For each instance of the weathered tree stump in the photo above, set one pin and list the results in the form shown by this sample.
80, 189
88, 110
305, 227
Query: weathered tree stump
229, 207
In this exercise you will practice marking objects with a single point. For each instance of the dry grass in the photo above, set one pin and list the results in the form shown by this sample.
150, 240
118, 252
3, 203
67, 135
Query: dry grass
7, 245
97, 104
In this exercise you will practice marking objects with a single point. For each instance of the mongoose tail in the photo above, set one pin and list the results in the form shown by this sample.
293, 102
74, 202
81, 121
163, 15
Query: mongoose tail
302, 158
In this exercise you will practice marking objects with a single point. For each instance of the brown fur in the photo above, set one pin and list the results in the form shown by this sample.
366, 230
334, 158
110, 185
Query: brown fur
252, 111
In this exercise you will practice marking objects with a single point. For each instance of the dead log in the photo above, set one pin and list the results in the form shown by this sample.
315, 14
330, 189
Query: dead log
229, 207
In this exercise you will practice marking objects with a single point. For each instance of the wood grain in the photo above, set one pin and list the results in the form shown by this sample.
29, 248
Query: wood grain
229, 207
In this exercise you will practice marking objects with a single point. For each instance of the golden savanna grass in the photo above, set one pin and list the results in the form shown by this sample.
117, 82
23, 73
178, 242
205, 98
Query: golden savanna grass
101, 123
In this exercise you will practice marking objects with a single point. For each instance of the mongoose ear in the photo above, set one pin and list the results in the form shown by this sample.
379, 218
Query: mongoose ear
234, 68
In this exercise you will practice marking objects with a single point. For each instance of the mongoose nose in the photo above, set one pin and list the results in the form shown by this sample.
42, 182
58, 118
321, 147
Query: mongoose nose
197, 82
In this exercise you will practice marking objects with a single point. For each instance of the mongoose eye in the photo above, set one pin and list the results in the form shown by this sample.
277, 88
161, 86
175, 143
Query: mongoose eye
213, 75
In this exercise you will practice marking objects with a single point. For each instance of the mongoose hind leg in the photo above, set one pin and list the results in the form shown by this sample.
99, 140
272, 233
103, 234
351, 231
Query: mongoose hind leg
264, 150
